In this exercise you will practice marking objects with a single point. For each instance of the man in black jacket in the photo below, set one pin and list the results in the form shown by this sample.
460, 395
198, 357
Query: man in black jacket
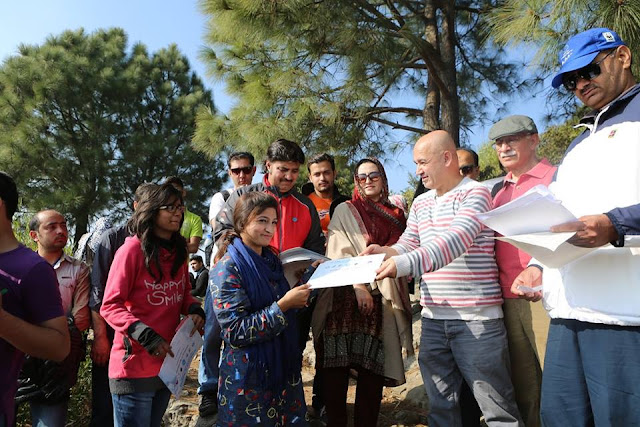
199, 277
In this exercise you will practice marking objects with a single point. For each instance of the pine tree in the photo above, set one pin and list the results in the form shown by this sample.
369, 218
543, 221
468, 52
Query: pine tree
346, 76
83, 122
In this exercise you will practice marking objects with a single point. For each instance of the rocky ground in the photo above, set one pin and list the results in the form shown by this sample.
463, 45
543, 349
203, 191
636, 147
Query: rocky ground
405, 405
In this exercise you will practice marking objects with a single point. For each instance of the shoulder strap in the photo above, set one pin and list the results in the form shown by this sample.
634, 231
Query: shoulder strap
225, 194
496, 188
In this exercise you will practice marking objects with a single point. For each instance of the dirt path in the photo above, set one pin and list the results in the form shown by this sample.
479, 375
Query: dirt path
405, 405
394, 411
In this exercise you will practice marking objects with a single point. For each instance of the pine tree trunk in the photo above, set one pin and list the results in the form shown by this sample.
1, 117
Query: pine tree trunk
431, 111
441, 109
82, 224
450, 108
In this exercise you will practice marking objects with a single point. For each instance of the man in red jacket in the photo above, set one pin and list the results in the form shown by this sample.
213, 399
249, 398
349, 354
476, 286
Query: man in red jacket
299, 224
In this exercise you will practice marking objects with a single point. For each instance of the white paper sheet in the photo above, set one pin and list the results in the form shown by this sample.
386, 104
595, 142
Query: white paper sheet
563, 254
295, 260
525, 223
174, 369
535, 211
346, 271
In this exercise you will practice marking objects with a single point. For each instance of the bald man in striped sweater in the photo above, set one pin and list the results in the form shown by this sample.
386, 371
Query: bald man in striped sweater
463, 336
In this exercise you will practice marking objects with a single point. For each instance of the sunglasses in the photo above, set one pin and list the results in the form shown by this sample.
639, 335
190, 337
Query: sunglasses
373, 176
247, 170
172, 208
466, 170
589, 72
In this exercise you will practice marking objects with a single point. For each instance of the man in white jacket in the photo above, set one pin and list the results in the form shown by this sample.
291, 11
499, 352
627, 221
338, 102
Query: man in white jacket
592, 365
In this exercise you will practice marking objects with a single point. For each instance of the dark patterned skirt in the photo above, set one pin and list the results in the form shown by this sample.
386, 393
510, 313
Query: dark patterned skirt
350, 339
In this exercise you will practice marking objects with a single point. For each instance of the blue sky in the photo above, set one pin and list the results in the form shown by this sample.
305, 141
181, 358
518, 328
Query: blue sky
159, 23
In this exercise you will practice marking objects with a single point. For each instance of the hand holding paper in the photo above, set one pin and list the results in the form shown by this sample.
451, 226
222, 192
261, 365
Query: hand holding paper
295, 298
346, 271
591, 231
296, 260
528, 284
198, 324
527, 223
377, 249
387, 269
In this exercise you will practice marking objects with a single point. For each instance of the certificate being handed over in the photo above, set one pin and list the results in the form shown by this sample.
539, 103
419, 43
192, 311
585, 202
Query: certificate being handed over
346, 271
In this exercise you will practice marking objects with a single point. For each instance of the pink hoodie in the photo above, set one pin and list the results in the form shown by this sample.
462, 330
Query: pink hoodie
132, 295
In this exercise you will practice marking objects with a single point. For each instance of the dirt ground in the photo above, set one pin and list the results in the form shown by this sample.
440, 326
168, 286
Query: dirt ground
396, 410
186, 410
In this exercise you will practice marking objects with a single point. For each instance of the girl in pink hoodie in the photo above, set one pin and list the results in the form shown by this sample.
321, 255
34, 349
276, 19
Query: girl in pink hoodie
147, 290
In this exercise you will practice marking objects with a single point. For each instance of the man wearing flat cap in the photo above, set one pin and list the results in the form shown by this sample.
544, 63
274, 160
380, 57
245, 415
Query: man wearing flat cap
515, 141
592, 365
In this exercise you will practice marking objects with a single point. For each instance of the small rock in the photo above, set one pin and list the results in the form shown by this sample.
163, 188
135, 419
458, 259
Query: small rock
181, 414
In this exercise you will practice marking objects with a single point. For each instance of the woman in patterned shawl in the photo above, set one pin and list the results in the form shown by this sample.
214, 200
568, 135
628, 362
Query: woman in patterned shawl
363, 328
260, 381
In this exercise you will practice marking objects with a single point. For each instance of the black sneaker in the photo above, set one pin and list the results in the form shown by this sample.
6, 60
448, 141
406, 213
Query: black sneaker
208, 404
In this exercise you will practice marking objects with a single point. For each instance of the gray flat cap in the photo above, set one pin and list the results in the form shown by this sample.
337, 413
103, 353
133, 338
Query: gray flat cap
512, 125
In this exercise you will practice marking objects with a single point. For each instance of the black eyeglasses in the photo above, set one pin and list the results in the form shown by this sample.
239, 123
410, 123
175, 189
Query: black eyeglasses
466, 170
373, 176
172, 208
247, 170
589, 72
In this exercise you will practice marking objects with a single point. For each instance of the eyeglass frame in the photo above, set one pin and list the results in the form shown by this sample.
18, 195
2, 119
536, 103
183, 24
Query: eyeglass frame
588, 72
520, 137
172, 208
362, 177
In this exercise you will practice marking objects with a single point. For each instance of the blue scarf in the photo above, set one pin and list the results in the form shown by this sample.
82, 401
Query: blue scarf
271, 362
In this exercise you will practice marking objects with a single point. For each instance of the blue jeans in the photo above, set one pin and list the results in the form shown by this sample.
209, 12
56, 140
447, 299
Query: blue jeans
452, 351
591, 375
49, 415
142, 409
209, 370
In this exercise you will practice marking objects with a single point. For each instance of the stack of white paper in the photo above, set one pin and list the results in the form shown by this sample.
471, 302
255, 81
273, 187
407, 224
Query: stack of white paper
526, 222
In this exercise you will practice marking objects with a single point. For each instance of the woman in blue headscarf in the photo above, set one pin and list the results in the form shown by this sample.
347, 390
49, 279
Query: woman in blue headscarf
260, 381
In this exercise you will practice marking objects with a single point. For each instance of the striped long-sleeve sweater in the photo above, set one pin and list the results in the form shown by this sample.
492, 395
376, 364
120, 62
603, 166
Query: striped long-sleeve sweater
446, 245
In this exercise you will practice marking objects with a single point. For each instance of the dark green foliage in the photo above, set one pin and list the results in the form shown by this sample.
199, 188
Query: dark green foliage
556, 139
349, 77
83, 122
489, 164
409, 192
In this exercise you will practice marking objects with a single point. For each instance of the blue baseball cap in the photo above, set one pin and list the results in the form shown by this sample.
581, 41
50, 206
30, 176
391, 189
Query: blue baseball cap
582, 48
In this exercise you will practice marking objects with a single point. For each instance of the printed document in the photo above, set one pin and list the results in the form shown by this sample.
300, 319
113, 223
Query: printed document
346, 271
526, 222
174, 369
295, 260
